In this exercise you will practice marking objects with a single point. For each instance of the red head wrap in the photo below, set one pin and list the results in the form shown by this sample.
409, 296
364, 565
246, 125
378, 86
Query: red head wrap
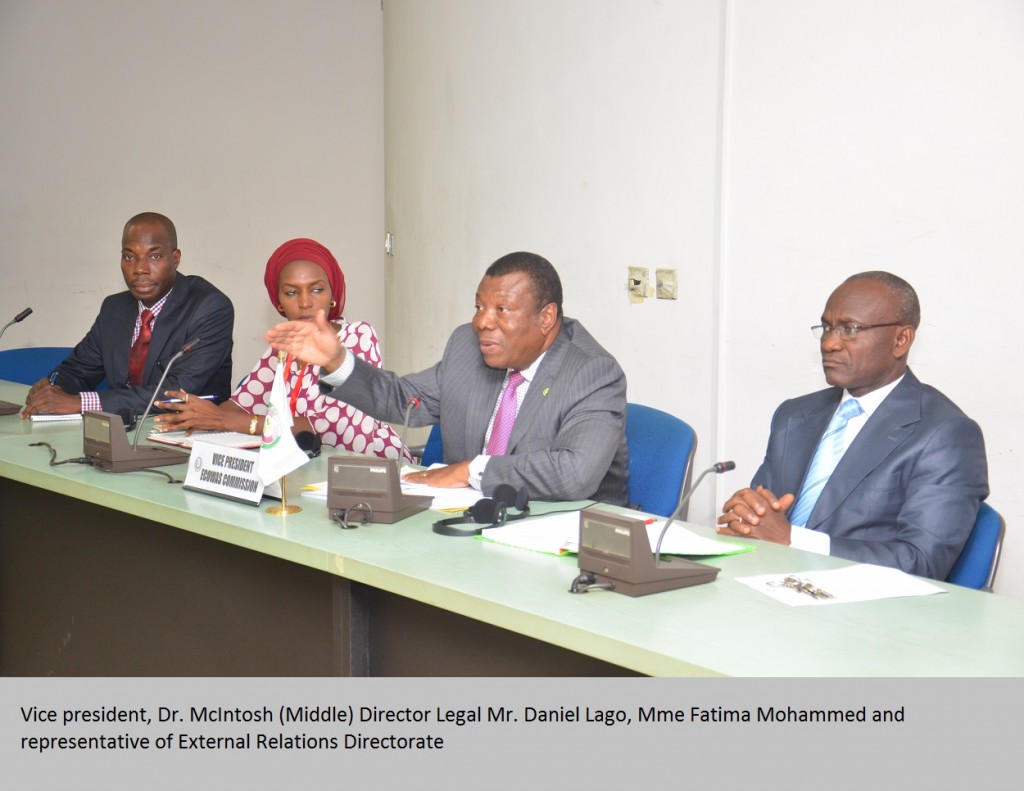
306, 250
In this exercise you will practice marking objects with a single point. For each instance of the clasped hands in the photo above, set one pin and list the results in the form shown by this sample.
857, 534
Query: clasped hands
756, 513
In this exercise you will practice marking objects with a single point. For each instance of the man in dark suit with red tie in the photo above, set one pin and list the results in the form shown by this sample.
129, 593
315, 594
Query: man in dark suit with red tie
139, 330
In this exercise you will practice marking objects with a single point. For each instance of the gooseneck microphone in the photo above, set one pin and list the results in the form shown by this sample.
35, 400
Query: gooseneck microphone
20, 317
187, 348
410, 405
717, 467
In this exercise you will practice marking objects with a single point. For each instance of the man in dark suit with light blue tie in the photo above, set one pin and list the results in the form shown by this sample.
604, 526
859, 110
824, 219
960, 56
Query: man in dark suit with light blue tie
524, 395
879, 468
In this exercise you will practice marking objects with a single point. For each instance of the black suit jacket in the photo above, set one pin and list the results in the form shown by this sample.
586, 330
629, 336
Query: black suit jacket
194, 309
905, 493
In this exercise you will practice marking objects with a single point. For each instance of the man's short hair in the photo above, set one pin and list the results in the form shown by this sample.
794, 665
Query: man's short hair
154, 217
547, 287
907, 305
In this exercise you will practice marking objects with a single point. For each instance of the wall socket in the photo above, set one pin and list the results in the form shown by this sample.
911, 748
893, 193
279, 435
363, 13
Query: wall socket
637, 284
666, 286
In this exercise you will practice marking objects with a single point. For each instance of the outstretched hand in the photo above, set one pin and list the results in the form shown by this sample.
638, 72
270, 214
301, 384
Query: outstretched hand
313, 342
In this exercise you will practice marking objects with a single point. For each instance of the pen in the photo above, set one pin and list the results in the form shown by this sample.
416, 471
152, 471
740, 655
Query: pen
181, 401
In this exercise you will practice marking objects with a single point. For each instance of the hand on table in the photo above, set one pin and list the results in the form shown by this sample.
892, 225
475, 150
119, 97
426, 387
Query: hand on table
453, 476
189, 414
47, 399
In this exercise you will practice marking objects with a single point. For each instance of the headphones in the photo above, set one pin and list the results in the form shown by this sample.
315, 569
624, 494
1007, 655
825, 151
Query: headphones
128, 417
489, 512
309, 442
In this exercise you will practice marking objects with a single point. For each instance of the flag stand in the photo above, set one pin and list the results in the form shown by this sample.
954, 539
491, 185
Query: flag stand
284, 509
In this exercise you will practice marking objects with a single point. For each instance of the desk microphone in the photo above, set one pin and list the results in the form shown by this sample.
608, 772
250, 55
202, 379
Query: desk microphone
188, 348
20, 317
717, 467
410, 405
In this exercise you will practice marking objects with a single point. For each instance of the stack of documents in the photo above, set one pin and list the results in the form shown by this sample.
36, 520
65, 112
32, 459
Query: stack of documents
229, 439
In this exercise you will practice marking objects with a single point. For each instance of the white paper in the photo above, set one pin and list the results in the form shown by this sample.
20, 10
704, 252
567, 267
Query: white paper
860, 582
230, 439
558, 533
444, 499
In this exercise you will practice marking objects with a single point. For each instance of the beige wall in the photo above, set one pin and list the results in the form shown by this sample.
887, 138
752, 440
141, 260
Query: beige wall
247, 122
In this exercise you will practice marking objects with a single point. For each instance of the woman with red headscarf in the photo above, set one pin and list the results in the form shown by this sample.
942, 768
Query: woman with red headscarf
302, 278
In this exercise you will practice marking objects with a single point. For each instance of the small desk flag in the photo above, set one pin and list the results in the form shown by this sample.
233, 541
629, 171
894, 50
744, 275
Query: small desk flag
279, 453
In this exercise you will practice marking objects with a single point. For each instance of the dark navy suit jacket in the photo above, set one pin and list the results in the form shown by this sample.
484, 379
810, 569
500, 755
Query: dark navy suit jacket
194, 309
905, 493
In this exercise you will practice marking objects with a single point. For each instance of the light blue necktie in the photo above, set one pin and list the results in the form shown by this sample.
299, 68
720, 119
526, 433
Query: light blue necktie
826, 457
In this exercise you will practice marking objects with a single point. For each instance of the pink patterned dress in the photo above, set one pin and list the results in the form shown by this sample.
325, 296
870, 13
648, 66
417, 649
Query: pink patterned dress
336, 422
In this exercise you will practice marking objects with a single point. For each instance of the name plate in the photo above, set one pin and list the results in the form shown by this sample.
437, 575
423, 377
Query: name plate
225, 472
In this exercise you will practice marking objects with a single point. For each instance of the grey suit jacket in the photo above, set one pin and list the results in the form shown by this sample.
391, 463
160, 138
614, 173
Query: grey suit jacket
905, 493
194, 309
569, 439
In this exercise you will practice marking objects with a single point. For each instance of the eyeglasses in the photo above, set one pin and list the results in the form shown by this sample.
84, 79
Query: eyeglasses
847, 332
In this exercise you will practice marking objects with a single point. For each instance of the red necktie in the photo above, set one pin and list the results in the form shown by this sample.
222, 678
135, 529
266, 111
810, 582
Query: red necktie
137, 356
506, 416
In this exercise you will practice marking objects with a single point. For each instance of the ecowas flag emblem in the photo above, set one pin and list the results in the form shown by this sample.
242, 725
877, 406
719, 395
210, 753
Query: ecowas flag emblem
279, 453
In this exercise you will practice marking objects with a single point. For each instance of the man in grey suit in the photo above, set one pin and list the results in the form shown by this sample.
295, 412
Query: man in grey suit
520, 366
911, 466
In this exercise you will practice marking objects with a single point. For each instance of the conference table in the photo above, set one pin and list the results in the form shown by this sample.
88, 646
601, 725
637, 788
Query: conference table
129, 574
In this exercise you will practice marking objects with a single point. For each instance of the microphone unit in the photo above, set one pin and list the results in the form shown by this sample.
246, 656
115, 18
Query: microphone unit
372, 485
20, 317
684, 497
615, 552
105, 434
187, 348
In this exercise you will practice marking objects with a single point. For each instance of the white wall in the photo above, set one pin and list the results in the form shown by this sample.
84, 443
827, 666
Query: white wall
876, 135
765, 149
247, 122
586, 132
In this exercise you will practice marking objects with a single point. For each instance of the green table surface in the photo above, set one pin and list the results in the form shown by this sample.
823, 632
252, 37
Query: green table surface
721, 628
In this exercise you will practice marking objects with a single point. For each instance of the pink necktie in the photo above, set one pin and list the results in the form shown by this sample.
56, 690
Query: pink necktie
506, 417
